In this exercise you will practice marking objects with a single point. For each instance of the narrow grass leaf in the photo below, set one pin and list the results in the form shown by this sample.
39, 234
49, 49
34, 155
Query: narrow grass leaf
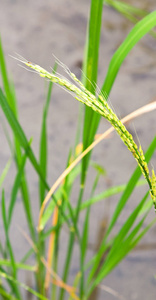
100, 170
27, 255
136, 34
127, 245
7, 87
71, 213
8, 138
17, 130
12, 104
27, 288
123, 200
10, 284
130, 187
5, 223
5, 295
20, 266
140, 236
43, 141
118, 238
43, 145
122, 249
85, 233
16, 186
5, 171
76, 282
148, 205
84, 241
108, 193
127, 226
127, 10
50, 208
48, 232
130, 12
91, 119
9, 247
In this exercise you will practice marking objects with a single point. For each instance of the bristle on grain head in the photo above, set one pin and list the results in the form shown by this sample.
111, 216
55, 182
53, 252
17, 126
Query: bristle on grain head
100, 105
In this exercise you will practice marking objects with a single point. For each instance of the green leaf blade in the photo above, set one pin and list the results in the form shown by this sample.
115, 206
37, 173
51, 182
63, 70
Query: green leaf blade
136, 34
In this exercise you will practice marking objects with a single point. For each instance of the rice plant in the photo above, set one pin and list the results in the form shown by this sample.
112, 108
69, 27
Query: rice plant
55, 201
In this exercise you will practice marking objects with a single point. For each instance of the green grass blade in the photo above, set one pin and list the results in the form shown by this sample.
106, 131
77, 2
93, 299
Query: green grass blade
16, 186
5, 171
71, 213
17, 130
121, 250
43, 146
8, 91
93, 42
50, 208
43, 142
75, 284
5, 224
148, 205
43, 161
123, 200
50, 230
126, 227
119, 237
64, 194
9, 247
130, 12
27, 255
20, 135
10, 284
140, 236
125, 8
108, 193
27, 288
136, 34
24, 187
85, 235
71, 238
5, 295
43, 165
86, 221
90, 69
126, 246
79, 125
20, 266
8, 138
11, 99
130, 187
2, 250
67, 262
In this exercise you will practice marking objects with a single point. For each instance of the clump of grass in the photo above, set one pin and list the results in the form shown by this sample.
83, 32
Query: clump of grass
112, 248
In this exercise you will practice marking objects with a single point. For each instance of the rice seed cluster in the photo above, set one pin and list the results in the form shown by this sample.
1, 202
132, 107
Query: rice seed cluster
100, 105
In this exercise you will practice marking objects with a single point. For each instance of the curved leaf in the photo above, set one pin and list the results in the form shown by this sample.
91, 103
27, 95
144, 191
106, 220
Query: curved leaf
136, 34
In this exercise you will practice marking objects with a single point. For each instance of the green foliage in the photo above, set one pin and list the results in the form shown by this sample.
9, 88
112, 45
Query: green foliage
60, 208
